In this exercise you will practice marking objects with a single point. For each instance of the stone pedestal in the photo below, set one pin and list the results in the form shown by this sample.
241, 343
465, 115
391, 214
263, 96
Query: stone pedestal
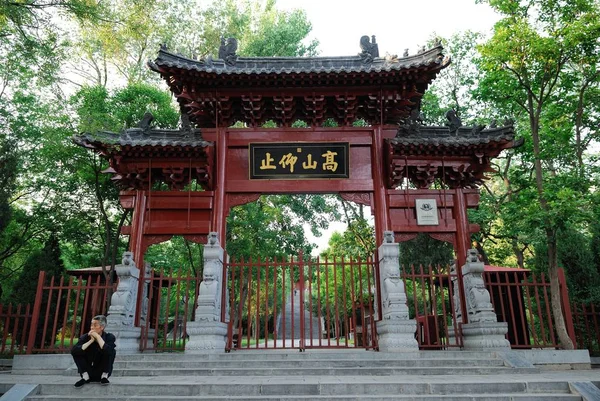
396, 331
207, 332
483, 330
485, 335
121, 314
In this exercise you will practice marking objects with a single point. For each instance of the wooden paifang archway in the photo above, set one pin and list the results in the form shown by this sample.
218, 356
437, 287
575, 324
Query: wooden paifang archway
394, 150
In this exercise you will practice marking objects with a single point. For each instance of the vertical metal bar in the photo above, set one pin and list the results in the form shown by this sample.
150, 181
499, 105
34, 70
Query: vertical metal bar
275, 328
249, 302
56, 311
165, 325
319, 311
345, 300
293, 295
548, 313
267, 266
301, 308
176, 328
595, 317
362, 304
335, 298
26, 327
6, 326
310, 301
540, 314
157, 314
413, 277
258, 294
47, 314
75, 308
531, 318
327, 305
441, 276
511, 307
64, 323
242, 269
354, 301
86, 298
283, 303
371, 267
516, 287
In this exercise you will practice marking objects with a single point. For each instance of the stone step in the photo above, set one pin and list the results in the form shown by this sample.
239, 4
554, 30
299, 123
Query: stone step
288, 389
323, 371
303, 363
276, 355
464, 397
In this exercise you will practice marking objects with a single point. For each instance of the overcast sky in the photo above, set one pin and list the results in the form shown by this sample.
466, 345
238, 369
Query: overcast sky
397, 24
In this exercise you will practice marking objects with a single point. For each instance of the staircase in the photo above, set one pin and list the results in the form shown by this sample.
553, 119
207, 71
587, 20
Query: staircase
314, 375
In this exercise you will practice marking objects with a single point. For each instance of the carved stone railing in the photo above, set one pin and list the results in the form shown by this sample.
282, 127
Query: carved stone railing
396, 331
121, 314
483, 331
207, 332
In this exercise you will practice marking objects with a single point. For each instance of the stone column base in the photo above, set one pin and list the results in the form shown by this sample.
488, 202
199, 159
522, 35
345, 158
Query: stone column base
485, 336
397, 335
206, 337
127, 339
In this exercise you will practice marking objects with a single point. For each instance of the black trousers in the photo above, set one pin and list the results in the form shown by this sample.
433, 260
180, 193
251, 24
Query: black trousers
94, 360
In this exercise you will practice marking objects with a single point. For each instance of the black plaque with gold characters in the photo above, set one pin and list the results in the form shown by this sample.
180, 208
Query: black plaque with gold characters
294, 160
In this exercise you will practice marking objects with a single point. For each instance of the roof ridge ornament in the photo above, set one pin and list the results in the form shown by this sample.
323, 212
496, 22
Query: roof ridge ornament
227, 50
454, 122
412, 124
146, 121
369, 47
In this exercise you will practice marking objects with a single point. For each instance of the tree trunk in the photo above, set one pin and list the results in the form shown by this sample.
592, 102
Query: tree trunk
555, 295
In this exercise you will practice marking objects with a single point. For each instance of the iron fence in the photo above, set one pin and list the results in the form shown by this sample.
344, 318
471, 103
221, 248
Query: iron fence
301, 303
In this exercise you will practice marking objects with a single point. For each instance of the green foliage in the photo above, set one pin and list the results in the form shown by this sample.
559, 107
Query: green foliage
8, 172
425, 251
48, 260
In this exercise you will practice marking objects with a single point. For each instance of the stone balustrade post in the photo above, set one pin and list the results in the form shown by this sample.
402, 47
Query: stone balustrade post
121, 314
483, 331
396, 331
207, 332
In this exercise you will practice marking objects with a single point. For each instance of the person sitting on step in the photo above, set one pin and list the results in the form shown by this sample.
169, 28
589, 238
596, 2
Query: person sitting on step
94, 354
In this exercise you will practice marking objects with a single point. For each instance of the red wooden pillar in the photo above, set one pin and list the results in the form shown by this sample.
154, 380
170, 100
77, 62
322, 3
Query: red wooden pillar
219, 214
382, 218
136, 239
463, 242
463, 235
137, 245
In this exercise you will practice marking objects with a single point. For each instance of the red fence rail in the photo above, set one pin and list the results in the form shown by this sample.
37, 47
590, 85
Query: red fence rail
15, 322
431, 299
259, 292
586, 319
63, 311
172, 303
297, 303
522, 299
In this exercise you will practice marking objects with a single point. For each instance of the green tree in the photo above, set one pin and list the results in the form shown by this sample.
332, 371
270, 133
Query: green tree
529, 63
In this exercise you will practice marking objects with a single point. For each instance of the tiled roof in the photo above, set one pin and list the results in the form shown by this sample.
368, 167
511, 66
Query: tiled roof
464, 136
294, 65
141, 137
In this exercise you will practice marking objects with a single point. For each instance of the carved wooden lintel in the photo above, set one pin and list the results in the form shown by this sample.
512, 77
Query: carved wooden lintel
363, 198
242, 199
197, 239
156, 239
444, 237
403, 237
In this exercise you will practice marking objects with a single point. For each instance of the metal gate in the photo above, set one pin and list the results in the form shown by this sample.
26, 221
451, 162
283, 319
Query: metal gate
301, 303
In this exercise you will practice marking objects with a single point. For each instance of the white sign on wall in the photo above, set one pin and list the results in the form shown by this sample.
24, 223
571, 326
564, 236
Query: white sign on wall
427, 214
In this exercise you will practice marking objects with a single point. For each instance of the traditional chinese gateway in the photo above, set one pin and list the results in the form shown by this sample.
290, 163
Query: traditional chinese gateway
371, 165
